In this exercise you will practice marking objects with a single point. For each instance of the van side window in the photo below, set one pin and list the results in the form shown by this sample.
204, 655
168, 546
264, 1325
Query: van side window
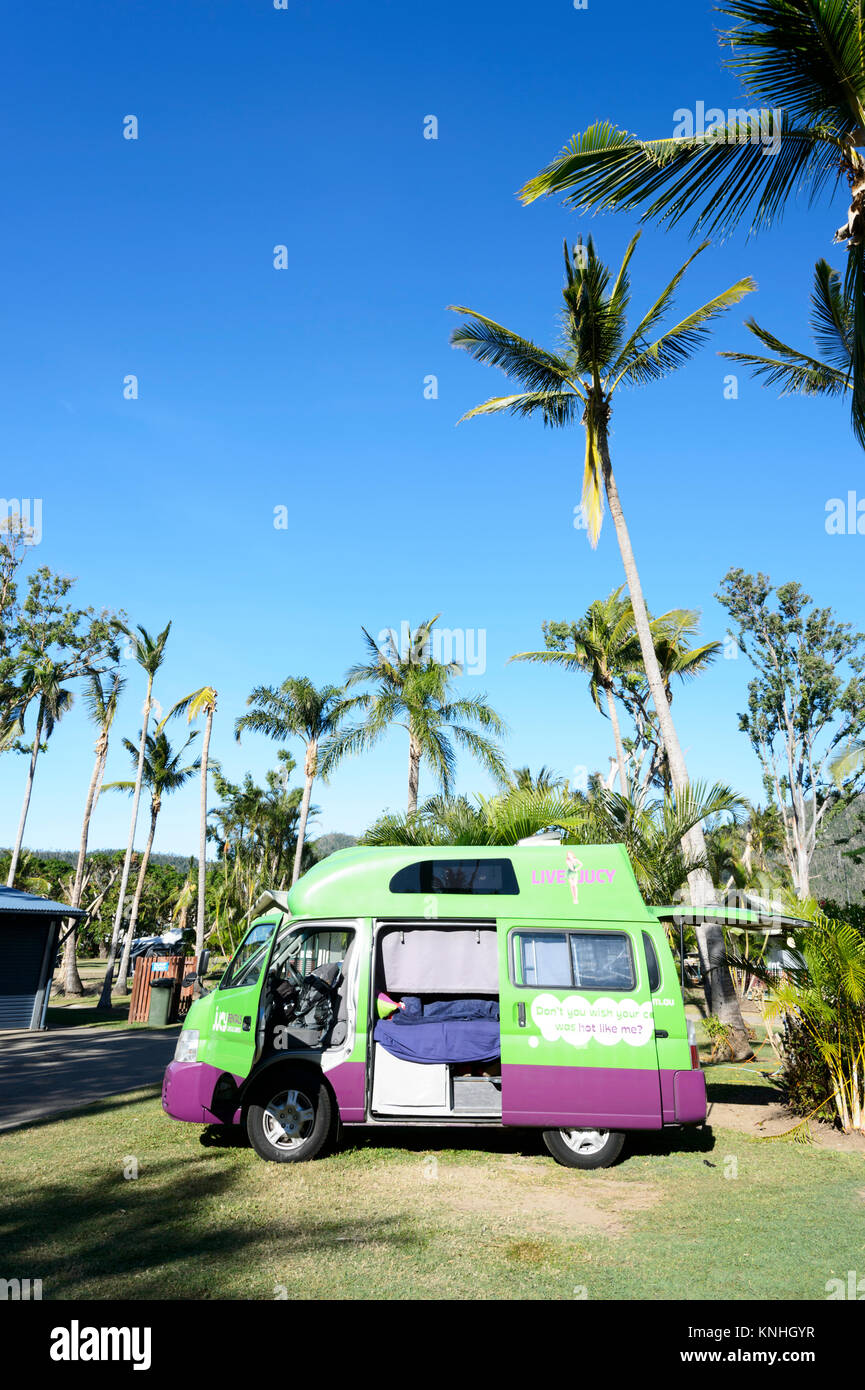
574, 960
542, 959
493, 876
602, 960
652, 962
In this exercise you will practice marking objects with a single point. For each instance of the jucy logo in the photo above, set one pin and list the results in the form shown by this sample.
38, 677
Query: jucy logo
573, 875
227, 1023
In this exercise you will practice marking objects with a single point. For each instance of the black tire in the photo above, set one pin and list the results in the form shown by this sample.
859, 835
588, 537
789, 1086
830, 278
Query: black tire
594, 1156
299, 1106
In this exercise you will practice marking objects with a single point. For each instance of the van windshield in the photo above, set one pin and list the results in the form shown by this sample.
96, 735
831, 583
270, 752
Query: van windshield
248, 963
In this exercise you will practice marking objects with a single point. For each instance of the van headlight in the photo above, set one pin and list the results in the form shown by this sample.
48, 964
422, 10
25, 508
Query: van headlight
187, 1046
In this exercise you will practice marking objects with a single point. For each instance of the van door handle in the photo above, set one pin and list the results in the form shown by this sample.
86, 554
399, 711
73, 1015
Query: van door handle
661, 1033
521, 1015
247, 1023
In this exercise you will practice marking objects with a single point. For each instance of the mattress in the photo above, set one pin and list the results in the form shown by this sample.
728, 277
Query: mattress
444, 1031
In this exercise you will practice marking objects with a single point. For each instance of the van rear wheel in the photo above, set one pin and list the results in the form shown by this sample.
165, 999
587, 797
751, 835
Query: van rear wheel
290, 1121
584, 1148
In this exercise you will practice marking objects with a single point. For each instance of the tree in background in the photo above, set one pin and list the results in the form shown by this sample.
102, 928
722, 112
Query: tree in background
101, 695
414, 691
200, 702
805, 702
803, 62
297, 708
603, 644
161, 773
652, 831
48, 644
149, 652
255, 830
577, 385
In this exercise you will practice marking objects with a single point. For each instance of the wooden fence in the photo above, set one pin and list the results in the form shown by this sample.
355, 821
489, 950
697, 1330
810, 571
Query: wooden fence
149, 968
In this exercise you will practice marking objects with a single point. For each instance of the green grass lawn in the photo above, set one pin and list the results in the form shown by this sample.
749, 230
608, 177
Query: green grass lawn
419, 1214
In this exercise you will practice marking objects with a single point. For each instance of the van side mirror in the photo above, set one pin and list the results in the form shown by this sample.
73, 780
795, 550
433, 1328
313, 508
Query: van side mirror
203, 963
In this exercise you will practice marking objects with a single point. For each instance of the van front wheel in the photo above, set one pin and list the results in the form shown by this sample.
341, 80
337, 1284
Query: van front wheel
290, 1122
584, 1148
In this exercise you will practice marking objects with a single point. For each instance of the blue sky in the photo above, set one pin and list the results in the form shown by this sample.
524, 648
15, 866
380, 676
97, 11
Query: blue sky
304, 387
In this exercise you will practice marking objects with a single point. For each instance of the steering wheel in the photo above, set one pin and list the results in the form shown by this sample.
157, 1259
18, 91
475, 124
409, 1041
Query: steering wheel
292, 973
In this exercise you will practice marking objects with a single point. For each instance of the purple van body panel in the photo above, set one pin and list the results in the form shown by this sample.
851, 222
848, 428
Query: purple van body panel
689, 1090
348, 1080
187, 1091
605, 1098
549, 1097
571, 1097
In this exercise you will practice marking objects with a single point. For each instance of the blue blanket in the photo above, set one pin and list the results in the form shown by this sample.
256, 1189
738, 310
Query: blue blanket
455, 1030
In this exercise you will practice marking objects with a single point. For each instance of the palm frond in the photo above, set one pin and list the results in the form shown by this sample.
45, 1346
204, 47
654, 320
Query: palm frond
492, 343
718, 174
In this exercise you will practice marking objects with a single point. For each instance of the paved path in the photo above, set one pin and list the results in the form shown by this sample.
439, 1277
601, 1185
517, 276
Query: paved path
43, 1074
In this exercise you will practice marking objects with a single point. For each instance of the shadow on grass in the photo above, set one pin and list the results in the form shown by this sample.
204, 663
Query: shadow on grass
741, 1093
155, 1239
77, 1112
527, 1143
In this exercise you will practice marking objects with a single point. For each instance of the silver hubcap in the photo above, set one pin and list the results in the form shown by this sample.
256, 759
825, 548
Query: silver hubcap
288, 1120
585, 1141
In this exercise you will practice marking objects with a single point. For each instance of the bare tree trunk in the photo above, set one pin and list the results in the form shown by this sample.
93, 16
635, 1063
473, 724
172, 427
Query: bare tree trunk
310, 768
202, 840
71, 978
31, 772
136, 901
414, 755
720, 992
617, 736
105, 996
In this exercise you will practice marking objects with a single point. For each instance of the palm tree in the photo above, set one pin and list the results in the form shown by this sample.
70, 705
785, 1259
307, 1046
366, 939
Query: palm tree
823, 994
599, 354
200, 702
652, 831
503, 819
544, 780
162, 773
797, 373
149, 652
673, 633
40, 681
801, 60
603, 644
657, 834
297, 708
413, 690
101, 701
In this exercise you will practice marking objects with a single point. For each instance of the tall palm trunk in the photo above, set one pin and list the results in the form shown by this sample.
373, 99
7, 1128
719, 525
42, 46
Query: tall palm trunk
720, 993
414, 756
31, 772
136, 901
71, 978
105, 996
310, 767
617, 736
202, 840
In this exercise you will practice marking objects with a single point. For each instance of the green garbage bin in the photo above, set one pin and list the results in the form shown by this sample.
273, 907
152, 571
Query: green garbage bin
161, 1001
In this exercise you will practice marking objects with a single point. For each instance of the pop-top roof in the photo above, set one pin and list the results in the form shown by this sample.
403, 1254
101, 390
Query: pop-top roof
13, 900
594, 882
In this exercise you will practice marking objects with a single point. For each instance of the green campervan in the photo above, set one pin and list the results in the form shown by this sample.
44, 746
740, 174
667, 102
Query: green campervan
482, 986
